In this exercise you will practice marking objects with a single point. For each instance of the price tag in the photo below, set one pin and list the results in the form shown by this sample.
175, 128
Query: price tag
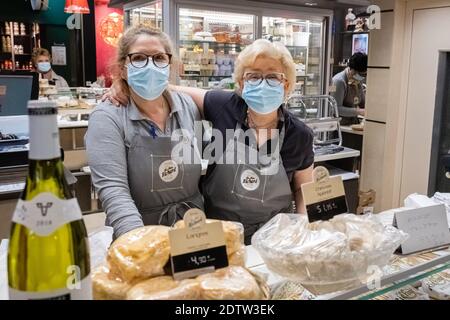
427, 228
198, 248
325, 196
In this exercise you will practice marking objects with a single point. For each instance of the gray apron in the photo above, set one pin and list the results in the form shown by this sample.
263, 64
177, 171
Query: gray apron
162, 189
354, 98
245, 192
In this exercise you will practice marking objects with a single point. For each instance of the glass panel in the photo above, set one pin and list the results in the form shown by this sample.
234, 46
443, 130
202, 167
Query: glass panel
148, 15
303, 38
209, 44
409, 281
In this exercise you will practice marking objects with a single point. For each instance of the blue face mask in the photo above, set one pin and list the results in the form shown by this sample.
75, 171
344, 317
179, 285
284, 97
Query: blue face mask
148, 82
358, 77
263, 98
44, 67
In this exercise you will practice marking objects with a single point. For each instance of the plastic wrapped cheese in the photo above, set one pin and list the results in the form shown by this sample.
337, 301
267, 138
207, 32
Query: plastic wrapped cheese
234, 234
140, 253
231, 283
165, 288
237, 258
326, 256
107, 286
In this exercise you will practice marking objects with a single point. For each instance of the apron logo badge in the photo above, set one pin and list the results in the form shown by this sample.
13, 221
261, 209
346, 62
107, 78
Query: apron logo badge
168, 171
249, 180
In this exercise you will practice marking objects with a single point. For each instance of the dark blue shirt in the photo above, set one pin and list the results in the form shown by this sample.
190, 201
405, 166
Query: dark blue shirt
225, 109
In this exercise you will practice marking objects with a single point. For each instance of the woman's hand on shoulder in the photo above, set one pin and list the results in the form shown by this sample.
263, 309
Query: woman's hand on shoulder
197, 94
118, 93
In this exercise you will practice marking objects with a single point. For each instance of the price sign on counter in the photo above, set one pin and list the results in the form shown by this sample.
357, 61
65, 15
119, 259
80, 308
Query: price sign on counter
198, 248
427, 228
325, 196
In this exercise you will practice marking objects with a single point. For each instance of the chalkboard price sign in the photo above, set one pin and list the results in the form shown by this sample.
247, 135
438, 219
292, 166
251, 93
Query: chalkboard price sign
325, 196
198, 248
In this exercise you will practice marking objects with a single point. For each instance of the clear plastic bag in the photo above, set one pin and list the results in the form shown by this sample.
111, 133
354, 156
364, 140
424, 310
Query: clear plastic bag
231, 283
107, 286
165, 288
140, 253
326, 256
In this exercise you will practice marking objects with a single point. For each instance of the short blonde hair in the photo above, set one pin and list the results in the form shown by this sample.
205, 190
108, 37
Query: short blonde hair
265, 48
37, 52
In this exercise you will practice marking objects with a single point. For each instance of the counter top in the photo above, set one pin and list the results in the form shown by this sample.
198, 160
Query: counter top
65, 124
346, 153
348, 129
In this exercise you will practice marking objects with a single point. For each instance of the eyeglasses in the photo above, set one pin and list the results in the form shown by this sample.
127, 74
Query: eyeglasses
140, 60
273, 79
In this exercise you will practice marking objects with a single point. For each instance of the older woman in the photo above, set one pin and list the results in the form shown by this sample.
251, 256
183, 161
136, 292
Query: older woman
130, 149
252, 192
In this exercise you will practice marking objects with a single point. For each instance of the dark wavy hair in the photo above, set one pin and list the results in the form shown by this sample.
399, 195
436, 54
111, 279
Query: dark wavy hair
358, 62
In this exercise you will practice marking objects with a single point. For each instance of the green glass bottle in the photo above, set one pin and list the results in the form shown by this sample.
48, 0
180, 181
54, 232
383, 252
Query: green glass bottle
48, 254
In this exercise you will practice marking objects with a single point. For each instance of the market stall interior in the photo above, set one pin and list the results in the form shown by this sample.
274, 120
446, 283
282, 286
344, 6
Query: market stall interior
380, 169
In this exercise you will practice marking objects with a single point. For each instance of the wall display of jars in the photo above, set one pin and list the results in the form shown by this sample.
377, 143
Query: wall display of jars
17, 42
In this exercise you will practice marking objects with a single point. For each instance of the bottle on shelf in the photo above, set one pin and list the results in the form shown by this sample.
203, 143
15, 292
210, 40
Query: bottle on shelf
16, 28
17, 65
22, 29
7, 28
8, 44
48, 253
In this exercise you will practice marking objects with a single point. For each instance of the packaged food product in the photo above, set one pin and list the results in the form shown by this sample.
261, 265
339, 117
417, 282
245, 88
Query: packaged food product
237, 258
165, 288
406, 293
234, 234
290, 290
107, 286
231, 283
140, 253
438, 286
326, 256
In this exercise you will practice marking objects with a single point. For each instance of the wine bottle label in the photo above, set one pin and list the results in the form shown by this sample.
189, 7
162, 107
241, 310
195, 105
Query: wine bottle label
45, 213
77, 291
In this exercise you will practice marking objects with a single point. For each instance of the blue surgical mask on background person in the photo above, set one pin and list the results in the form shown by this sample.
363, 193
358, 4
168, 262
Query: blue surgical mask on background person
44, 67
148, 82
358, 77
263, 98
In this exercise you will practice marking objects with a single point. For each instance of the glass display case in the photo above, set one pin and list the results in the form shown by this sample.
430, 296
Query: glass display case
209, 42
418, 277
303, 38
210, 34
149, 15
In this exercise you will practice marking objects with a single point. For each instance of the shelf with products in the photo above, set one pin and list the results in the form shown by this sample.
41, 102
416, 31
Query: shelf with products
303, 39
201, 76
17, 40
212, 44
209, 42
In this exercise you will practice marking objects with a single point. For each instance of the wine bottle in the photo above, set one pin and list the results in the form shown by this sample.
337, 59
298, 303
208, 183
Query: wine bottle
48, 254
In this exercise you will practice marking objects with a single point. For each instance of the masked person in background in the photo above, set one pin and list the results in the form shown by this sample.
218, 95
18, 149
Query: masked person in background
349, 94
42, 64
247, 192
129, 149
